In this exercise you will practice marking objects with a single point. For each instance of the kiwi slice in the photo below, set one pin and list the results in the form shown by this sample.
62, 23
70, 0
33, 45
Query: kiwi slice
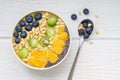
50, 32
44, 42
33, 42
23, 53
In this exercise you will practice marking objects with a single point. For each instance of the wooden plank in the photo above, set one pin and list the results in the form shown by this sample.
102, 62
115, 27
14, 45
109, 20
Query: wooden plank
107, 24
99, 61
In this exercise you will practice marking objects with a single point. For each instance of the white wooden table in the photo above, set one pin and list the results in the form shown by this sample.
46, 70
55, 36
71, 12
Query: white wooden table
97, 61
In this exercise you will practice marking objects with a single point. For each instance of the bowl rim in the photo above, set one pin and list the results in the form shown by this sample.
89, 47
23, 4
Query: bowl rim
46, 68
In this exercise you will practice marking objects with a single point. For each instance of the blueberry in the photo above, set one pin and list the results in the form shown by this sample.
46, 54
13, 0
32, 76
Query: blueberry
23, 34
22, 23
29, 18
86, 35
35, 24
17, 40
18, 29
28, 27
16, 34
73, 16
81, 32
85, 24
89, 30
38, 16
86, 11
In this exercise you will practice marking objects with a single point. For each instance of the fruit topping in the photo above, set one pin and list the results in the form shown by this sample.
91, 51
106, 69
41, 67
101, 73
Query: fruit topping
85, 24
29, 18
52, 57
63, 36
22, 23
38, 16
44, 42
18, 29
33, 42
73, 16
61, 29
58, 43
35, 24
52, 21
23, 53
86, 35
38, 58
57, 50
89, 30
23, 34
50, 32
28, 27
15, 34
17, 40
81, 32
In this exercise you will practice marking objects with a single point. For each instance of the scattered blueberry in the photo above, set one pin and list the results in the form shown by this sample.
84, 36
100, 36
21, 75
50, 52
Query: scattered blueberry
23, 34
18, 29
16, 34
81, 32
86, 11
73, 16
29, 18
35, 24
38, 16
17, 40
89, 30
86, 35
28, 27
22, 23
85, 24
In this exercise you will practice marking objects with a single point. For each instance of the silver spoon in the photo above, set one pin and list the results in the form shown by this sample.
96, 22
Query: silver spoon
84, 30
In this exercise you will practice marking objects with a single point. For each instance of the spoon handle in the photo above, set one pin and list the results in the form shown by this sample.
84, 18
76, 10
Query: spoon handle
75, 60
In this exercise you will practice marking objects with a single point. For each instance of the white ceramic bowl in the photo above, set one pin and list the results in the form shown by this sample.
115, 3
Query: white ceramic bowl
46, 68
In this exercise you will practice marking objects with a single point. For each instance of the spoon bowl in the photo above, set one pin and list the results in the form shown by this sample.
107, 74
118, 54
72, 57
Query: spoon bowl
85, 28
